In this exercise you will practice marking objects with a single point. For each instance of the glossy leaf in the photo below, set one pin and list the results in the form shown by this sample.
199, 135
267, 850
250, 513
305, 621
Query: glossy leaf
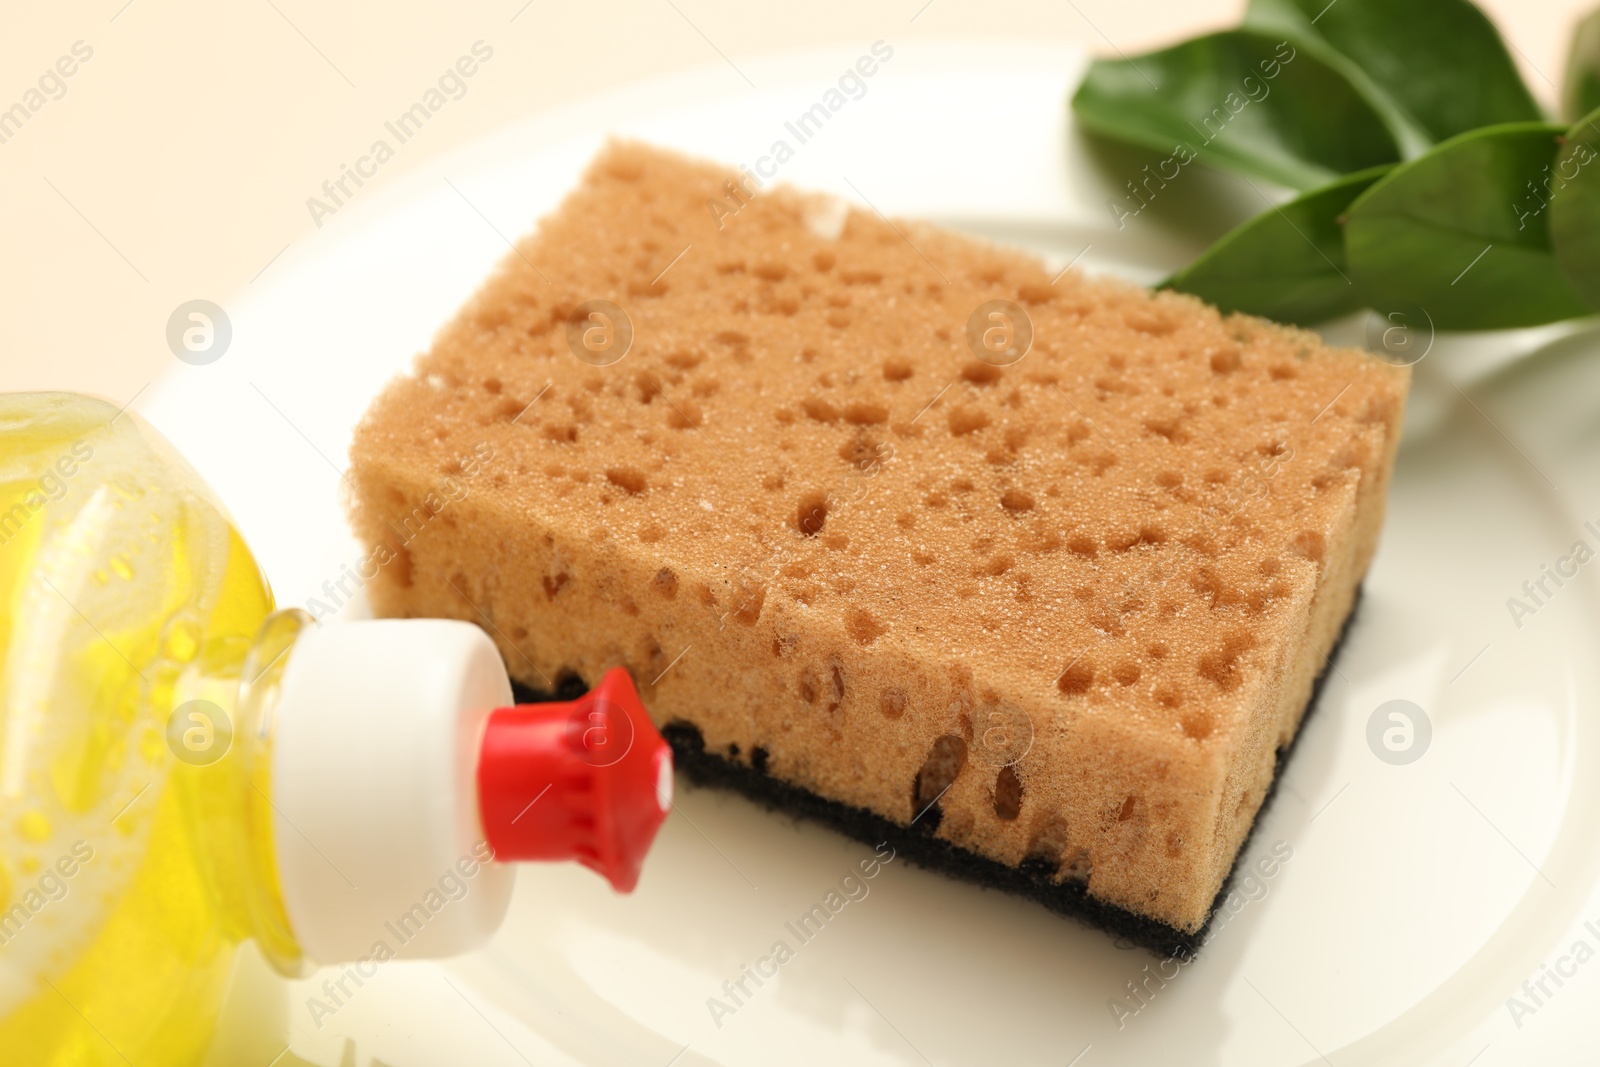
1442, 62
1246, 101
1580, 85
1288, 263
1463, 233
1575, 208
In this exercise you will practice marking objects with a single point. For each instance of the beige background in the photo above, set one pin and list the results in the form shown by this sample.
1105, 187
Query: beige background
178, 161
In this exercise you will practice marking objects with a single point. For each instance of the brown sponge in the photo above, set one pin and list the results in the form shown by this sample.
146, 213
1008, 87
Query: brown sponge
895, 518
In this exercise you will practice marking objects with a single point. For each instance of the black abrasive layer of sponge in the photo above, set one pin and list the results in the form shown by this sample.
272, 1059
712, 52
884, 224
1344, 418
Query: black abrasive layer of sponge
918, 842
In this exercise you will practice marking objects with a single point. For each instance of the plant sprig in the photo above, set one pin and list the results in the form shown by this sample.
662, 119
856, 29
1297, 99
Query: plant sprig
1430, 177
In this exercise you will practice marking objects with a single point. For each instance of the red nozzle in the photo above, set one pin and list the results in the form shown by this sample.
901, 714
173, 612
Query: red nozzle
590, 780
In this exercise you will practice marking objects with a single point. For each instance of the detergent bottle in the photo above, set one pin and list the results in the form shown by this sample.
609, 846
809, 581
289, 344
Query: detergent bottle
183, 768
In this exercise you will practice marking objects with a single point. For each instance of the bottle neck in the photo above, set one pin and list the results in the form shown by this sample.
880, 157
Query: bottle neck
225, 777
392, 744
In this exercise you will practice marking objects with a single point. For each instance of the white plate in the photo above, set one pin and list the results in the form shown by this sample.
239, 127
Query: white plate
1418, 898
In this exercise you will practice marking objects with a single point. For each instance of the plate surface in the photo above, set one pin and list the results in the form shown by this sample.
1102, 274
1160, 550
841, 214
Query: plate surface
1417, 897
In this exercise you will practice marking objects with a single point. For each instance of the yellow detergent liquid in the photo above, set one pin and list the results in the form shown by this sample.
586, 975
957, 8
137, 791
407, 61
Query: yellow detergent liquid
142, 679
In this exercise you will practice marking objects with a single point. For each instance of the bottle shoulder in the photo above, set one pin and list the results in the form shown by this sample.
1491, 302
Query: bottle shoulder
129, 605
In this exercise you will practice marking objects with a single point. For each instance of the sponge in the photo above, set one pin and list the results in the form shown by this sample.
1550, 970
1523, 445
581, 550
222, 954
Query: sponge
893, 527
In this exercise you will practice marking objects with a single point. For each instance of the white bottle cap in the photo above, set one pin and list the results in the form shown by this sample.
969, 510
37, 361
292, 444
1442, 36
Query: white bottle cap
374, 762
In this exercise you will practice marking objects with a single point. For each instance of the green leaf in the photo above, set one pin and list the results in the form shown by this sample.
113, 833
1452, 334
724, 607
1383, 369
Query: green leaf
1580, 85
1246, 101
1574, 195
1287, 263
1442, 62
1461, 232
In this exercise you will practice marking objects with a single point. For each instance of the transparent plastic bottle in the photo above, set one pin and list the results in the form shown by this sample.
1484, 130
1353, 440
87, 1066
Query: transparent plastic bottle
183, 768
